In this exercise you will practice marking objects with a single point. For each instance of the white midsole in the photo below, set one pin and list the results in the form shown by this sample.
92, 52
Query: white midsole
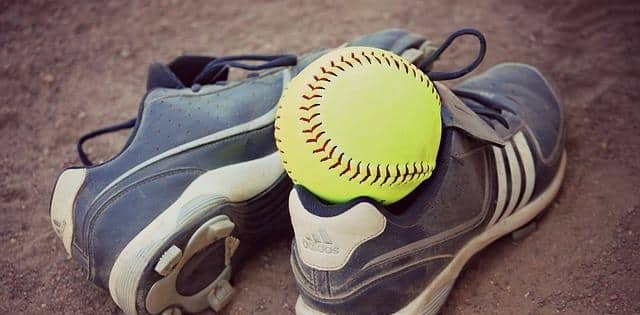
423, 303
232, 183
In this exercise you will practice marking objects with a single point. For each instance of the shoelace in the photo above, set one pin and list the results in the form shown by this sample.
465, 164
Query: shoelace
213, 70
83, 156
443, 76
488, 110
210, 74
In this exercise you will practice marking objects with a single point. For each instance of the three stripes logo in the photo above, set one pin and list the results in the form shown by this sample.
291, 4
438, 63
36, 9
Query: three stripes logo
320, 242
516, 177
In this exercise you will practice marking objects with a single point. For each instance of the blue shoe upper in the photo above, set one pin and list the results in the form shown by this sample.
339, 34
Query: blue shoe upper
113, 209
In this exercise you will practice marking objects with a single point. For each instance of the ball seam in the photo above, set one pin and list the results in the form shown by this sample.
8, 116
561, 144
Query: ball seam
404, 172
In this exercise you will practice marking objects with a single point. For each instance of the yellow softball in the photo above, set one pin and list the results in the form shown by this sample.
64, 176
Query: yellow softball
359, 121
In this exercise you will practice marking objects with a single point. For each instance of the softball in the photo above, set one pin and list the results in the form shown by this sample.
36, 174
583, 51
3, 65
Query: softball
357, 122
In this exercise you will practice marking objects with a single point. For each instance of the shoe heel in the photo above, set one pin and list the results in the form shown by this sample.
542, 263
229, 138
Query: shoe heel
62, 202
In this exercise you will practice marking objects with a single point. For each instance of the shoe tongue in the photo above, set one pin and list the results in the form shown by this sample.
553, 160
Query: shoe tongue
456, 114
180, 73
160, 75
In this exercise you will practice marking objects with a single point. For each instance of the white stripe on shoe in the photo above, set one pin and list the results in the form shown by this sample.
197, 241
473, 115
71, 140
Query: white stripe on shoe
516, 180
502, 185
528, 166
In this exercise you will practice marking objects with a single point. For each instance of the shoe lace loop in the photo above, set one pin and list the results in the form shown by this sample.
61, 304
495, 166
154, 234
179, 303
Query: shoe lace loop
443, 76
484, 107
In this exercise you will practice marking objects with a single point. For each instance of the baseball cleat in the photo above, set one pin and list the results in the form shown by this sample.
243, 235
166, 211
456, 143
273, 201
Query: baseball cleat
165, 224
500, 164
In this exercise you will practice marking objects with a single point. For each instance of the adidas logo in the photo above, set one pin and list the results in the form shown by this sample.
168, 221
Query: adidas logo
320, 242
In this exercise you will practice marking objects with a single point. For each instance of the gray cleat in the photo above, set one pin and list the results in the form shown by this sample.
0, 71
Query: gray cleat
501, 162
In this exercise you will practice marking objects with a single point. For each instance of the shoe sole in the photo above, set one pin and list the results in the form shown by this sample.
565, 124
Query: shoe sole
204, 215
430, 300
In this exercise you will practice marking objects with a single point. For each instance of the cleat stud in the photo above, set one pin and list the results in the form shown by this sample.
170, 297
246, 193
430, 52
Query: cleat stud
230, 245
168, 260
220, 295
523, 232
220, 230
172, 311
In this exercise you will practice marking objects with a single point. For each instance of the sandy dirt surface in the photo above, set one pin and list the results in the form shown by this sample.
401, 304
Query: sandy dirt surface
71, 66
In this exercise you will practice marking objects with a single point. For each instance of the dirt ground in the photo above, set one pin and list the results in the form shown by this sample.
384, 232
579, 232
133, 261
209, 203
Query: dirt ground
68, 67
